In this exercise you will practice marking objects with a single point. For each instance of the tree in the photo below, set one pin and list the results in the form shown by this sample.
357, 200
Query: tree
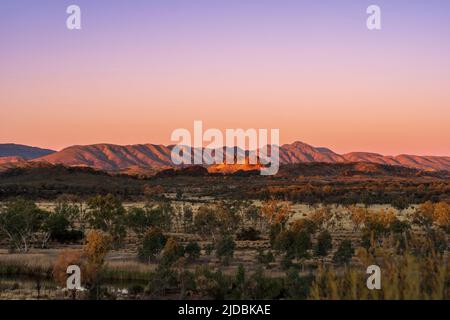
433, 213
344, 252
225, 248
424, 215
172, 252
441, 215
161, 214
70, 211
153, 243
188, 218
163, 279
324, 244
249, 234
206, 222
238, 287
358, 216
294, 243
265, 258
274, 231
209, 248
305, 225
141, 219
54, 226
211, 284
97, 246
227, 213
106, 213
192, 250
20, 221
252, 215
138, 221
276, 212
59, 224
262, 287
302, 244
400, 231
296, 287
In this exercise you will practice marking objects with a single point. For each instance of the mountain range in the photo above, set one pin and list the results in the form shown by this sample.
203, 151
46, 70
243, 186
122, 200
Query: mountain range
22, 151
150, 158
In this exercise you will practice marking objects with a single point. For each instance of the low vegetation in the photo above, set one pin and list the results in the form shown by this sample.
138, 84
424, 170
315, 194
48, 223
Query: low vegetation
197, 251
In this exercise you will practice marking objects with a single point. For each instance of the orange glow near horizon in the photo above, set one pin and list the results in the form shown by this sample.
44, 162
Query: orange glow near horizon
343, 87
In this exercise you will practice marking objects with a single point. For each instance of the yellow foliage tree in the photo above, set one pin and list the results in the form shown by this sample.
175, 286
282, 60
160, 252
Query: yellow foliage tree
276, 212
95, 250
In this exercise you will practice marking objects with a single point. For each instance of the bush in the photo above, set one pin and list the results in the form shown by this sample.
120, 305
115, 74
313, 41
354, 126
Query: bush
152, 245
294, 244
68, 236
344, 252
135, 289
172, 252
225, 249
248, 234
206, 222
324, 244
296, 287
263, 287
265, 258
192, 250
209, 248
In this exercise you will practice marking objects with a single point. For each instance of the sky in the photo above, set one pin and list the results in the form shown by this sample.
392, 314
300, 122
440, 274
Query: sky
137, 70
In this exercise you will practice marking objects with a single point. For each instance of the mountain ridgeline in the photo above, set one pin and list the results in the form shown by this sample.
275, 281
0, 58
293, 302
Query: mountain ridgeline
150, 158
19, 151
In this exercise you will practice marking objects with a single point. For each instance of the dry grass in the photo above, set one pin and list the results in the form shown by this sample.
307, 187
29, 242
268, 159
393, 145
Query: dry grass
127, 270
26, 264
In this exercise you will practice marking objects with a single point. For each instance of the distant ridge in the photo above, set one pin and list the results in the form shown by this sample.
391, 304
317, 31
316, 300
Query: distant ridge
150, 157
23, 151
112, 157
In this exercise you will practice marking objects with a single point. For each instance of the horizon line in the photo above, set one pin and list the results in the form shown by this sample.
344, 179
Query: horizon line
169, 145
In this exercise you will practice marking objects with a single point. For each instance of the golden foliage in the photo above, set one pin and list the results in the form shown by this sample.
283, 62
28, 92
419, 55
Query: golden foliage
437, 213
403, 277
358, 215
276, 212
65, 259
95, 250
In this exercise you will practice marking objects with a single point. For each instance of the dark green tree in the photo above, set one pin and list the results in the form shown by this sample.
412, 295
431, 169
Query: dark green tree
344, 252
59, 224
324, 244
192, 250
296, 287
107, 213
225, 246
20, 221
153, 242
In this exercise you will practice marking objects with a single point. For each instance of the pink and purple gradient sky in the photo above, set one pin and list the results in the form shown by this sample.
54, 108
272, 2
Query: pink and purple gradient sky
140, 69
